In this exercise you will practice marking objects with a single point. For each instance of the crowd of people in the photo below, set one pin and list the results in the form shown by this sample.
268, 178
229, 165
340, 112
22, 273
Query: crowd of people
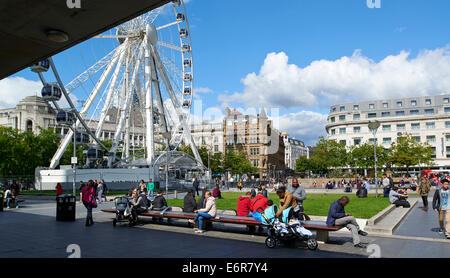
10, 193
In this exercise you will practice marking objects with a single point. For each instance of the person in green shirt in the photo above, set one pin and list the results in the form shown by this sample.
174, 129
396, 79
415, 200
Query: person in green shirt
150, 189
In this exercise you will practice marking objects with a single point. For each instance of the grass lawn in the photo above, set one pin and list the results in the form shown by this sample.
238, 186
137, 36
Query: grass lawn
315, 204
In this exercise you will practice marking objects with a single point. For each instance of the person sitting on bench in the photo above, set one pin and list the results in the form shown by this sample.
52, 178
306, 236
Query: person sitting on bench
286, 200
338, 217
398, 199
244, 207
160, 204
206, 213
189, 202
138, 204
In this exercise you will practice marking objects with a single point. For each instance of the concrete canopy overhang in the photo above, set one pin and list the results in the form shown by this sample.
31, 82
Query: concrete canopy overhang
24, 25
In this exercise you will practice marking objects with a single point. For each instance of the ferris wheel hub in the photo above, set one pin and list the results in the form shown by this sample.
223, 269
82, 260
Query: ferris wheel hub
152, 34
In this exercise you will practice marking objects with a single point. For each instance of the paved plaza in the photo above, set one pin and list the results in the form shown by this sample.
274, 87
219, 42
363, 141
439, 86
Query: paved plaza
32, 231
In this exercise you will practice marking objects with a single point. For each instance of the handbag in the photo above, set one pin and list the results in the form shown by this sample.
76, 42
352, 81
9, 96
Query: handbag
92, 201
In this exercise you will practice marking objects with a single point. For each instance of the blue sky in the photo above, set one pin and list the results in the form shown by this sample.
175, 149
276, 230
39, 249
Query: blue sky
308, 51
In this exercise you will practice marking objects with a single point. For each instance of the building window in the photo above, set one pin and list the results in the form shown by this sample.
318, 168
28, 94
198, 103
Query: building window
447, 124
371, 106
385, 114
342, 118
448, 151
431, 139
429, 111
415, 126
333, 119
401, 127
333, 132
355, 107
417, 138
371, 141
399, 104
399, 113
344, 142
446, 100
387, 141
357, 141
414, 112
447, 138
386, 127
356, 129
447, 110
428, 101
356, 117
430, 125
342, 130
342, 108
413, 102
385, 105
371, 115
434, 152
333, 109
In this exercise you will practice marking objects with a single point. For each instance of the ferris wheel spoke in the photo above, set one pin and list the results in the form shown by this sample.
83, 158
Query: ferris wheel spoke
169, 45
167, 25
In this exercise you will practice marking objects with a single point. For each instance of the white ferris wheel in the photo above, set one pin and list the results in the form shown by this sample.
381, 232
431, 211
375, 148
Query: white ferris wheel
148, 74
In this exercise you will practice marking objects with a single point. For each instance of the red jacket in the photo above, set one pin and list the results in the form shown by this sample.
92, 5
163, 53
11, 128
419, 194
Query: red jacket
59, 190
259, 203
243, 206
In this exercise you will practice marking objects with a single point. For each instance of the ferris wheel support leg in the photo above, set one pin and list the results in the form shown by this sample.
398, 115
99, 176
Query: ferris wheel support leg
109, 94
176, 104
126, 107
149, 111
62, 147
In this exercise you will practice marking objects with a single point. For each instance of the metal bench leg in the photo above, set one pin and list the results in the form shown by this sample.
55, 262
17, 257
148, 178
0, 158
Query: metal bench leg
322, 236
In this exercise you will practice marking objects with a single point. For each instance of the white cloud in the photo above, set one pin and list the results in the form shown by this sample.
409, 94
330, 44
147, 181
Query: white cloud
14, 89
354, 78
303, 125
202, 90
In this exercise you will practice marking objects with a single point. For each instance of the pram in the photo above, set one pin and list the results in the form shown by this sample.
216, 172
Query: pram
123, 212
286, 229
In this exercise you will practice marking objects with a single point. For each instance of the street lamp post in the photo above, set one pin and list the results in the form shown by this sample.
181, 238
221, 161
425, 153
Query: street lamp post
74, 159
373, 126
167, 136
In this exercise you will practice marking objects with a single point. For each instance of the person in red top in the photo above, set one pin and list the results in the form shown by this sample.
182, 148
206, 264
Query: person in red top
59, 190
259, 203
244, 207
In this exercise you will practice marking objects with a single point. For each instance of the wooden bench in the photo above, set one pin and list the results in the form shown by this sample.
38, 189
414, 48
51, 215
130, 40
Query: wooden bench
225, 216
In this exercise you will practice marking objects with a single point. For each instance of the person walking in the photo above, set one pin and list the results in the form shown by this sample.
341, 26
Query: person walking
88, 197
208, 212
442, 206
150, 189
195, 184
99, 192
423, 189
299, 194
105, 189
59, 190
338, 217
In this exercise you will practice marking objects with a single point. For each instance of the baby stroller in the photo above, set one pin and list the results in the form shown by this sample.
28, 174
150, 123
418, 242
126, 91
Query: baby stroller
286, 229
123, 213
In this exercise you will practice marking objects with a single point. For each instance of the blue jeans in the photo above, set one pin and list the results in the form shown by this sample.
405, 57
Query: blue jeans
8, 200
100, 193
150, 195
89, 209
200, 216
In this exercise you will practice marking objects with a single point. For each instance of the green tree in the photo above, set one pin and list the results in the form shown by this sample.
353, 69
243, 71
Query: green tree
238, 163
363, 156
408, 152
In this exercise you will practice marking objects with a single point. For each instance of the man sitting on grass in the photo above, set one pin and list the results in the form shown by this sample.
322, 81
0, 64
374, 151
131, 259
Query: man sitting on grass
338, 217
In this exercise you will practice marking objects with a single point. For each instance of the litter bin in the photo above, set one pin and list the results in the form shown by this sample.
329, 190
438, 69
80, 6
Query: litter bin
65, 208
